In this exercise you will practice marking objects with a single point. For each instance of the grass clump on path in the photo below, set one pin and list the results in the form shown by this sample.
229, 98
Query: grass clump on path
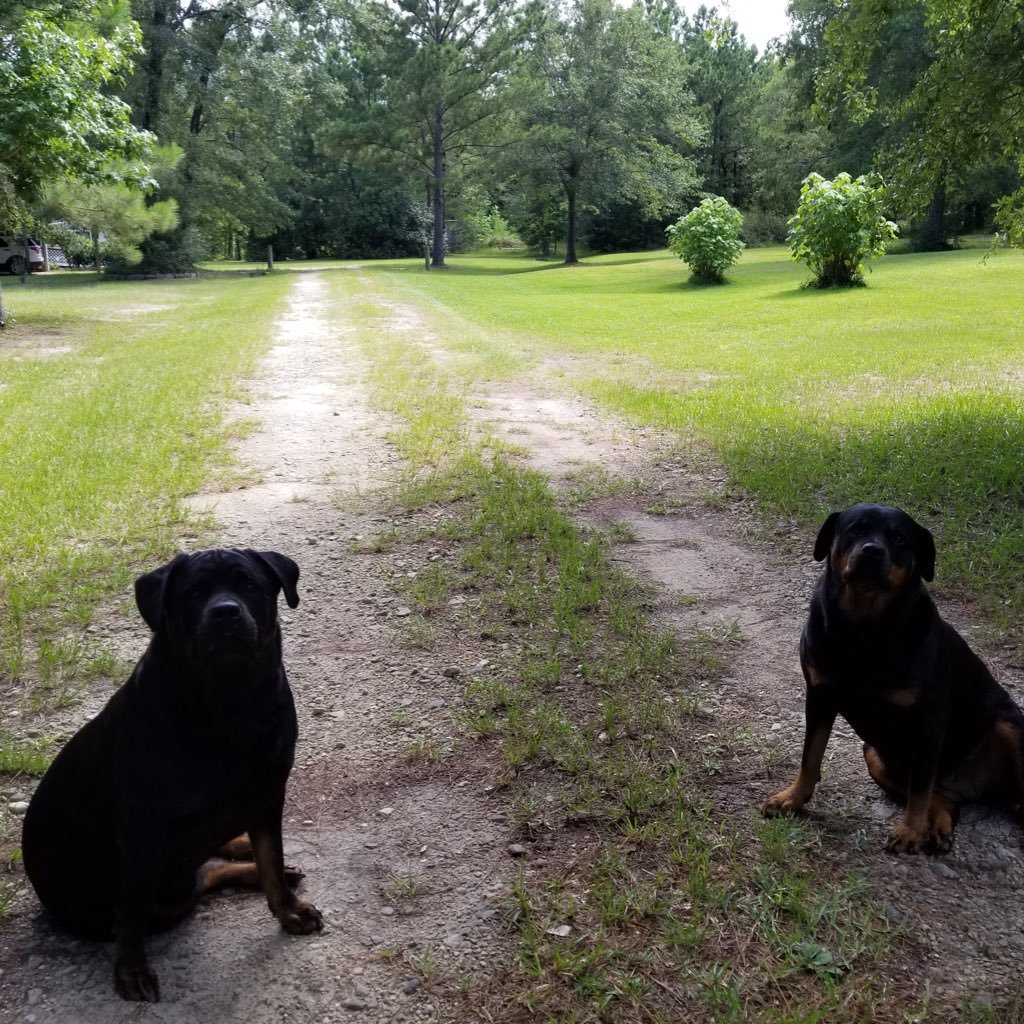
112, 398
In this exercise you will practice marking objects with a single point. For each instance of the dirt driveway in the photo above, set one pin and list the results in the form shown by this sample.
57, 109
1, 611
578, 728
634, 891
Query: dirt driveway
409, 855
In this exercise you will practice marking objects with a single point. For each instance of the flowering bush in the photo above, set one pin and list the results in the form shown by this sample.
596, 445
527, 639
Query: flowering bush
838, 226
707, 239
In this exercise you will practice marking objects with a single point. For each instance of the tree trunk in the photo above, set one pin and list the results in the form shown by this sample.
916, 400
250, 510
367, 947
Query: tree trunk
930, 236
570, 227
95, 250
437, 250
157, 43
3, 310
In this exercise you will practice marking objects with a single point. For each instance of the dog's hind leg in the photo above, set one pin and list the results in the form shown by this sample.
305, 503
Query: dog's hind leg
215, 875
239, 848
880, 774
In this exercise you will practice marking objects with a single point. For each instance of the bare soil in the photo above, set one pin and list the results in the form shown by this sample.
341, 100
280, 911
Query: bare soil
405, 847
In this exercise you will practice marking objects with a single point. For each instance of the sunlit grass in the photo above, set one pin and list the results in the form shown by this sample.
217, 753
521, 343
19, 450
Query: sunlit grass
905, 392
111, 399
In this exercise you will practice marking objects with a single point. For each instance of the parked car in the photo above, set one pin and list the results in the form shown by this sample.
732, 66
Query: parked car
12, 254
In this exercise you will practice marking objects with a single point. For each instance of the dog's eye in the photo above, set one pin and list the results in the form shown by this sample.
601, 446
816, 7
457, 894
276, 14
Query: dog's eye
193, 593
250, 587
898, 538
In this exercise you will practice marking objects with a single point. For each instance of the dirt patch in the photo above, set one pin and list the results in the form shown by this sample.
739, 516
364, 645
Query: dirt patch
34, 344
404, 851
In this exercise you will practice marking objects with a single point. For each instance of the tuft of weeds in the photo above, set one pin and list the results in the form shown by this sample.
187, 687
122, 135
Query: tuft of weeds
622, 532
28, 756
423, 748
431, 587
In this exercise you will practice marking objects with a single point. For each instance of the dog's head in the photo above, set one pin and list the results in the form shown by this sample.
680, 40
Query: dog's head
218, 607
875, 550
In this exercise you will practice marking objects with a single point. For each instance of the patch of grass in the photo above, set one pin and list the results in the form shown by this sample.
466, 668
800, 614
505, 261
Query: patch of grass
907, 392
431, 587
380, 543
420, 633
101, 444
622, 532
404, 885
423, 748
25, 756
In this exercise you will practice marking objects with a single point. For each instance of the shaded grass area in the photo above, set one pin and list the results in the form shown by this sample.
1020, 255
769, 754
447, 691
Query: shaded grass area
906, 392
654, 905
112, 397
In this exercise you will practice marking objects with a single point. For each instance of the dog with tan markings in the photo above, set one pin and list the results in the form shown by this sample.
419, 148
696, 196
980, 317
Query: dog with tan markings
938, 730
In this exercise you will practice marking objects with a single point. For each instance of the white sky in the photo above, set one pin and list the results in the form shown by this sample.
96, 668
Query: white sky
759, 20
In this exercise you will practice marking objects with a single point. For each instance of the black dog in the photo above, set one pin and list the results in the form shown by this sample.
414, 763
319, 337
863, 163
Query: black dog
938, 730
192, 751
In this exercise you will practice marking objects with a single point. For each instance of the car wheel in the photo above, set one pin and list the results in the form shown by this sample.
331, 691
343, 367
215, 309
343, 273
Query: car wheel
17, 265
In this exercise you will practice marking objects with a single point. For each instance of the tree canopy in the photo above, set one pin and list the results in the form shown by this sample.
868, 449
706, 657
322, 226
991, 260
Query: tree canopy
374, 127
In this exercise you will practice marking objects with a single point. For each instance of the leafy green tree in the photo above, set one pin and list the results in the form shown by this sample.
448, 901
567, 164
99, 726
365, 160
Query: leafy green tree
965, 106
429, 80
707, 239
726, 78
610, 119
60, 118
113, 210
839, 225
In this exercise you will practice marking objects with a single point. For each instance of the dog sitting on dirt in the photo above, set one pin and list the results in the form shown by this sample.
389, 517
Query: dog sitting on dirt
938, 730
188, 757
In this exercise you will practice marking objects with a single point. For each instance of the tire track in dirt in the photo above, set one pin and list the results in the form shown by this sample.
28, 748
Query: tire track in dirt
405, 860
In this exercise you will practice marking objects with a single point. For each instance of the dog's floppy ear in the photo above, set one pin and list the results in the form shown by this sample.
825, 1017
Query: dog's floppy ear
284, 570
924, 552
150, 590
823, 544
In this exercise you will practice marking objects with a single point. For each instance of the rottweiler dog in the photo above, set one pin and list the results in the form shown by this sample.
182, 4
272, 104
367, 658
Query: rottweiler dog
938, 730
188, 758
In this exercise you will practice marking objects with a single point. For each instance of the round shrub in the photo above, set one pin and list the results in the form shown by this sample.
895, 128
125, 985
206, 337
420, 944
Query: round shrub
838, 226
707, 239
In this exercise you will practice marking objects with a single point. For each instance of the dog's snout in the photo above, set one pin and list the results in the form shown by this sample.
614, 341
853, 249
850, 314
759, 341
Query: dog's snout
872, 552
226, 610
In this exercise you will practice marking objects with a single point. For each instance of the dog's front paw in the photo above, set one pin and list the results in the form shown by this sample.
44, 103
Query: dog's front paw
301, 919
905, 839
789, 801
136, 981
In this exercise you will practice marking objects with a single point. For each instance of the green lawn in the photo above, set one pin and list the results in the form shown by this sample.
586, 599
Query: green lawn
111, 398
907, 391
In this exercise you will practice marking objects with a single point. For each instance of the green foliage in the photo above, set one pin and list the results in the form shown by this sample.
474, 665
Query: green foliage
764, 227
611, 120
113, 209
726, 78
707, 239
61, 117
839, 225
427, 82
963, 107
